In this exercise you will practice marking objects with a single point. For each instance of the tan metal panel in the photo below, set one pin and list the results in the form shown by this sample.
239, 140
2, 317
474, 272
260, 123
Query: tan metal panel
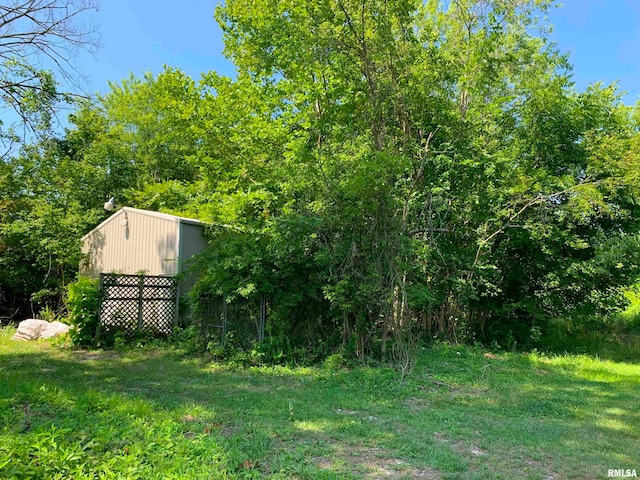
130, 242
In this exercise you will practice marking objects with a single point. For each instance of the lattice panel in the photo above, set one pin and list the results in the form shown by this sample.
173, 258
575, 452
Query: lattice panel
138, 303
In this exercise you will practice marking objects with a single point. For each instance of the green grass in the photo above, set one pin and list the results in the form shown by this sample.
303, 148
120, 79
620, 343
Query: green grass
463, 414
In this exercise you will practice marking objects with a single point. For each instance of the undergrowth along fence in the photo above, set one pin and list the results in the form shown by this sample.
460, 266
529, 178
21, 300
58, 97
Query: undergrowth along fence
137, 304
241, 320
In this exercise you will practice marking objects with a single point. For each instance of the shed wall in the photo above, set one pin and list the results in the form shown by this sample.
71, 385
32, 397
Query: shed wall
130, 243
192, 241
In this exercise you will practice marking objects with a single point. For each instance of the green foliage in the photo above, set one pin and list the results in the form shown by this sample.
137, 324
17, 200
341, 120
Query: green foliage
49, 203
629, 318
455, 173
187, 341
48, 314
281, 261
273, 350
83, 302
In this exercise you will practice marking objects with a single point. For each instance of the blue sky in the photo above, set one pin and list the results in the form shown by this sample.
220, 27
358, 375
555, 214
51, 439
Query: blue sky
602, 37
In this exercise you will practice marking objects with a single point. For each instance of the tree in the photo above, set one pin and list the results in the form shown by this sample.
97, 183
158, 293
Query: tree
38, 42
440, 144
49, 202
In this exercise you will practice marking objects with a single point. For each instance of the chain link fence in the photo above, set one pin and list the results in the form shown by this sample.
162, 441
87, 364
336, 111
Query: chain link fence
241, 320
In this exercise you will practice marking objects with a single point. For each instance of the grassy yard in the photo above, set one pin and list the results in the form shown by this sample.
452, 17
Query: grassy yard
463, 414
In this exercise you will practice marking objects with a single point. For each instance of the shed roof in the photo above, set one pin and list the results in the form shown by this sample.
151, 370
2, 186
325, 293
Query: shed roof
149, 213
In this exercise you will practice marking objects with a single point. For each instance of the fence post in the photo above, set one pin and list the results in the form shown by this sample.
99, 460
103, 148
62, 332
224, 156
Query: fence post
100, 300
176, 318
224, 319
263, 317
140, 300
207, 317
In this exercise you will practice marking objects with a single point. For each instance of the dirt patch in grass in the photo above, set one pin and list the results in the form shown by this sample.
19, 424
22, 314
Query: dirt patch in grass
460, 447
373, 463
224, 429
28, 414
417, 404
346, 412
346, 459
512, 464
91, 355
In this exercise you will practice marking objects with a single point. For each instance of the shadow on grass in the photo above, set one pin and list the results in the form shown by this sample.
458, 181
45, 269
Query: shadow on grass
461, 415
141, 409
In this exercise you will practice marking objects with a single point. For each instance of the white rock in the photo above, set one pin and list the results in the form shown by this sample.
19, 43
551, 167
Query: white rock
32, 329
54, 329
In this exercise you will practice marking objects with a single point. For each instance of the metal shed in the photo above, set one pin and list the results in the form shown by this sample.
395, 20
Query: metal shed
132, 241
150, 245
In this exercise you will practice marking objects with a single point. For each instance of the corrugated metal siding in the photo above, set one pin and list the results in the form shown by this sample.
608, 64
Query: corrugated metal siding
192, 241
141, 243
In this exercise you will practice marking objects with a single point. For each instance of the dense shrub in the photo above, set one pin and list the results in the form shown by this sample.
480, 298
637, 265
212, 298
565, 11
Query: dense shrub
83, 302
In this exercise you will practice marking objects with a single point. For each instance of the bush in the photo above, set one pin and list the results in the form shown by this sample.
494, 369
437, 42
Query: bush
83, 302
